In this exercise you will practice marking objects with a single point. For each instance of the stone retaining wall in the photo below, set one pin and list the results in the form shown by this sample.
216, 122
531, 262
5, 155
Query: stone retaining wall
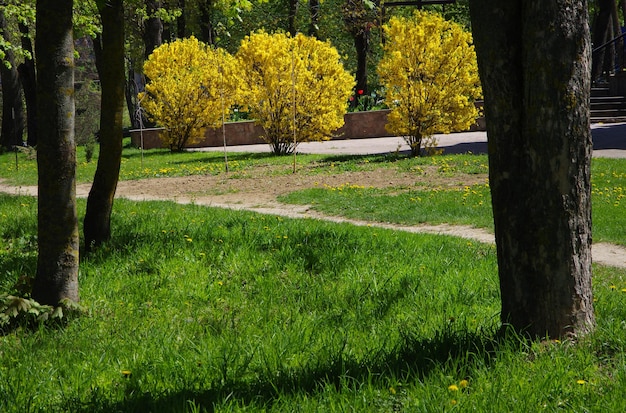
358, 125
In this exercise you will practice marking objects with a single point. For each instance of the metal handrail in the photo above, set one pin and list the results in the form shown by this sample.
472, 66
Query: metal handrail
610, 42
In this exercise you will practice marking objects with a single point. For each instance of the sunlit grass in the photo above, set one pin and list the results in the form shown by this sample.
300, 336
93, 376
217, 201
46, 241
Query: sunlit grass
200, 309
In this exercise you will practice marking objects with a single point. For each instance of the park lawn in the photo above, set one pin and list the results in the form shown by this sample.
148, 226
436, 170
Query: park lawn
466, 205
192, 309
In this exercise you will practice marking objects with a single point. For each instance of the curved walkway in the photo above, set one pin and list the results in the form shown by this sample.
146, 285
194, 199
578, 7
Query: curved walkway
602, 253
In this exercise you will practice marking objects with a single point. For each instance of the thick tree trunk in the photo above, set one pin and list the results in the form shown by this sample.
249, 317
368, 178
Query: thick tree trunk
97, 223
57, 265
534, 62
26, 71
12, 108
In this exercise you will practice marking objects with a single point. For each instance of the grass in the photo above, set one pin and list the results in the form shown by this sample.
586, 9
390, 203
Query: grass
198, 309
194, 309
467, 205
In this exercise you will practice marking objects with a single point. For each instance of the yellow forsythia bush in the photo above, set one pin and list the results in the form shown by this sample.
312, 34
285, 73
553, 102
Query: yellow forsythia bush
430, 74
281, 70
191, 87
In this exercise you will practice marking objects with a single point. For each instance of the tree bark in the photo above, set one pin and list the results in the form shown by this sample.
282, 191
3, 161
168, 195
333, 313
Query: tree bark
57, 264
534, 62
314, 9
12, 108
97, 222
26, 72
153, 28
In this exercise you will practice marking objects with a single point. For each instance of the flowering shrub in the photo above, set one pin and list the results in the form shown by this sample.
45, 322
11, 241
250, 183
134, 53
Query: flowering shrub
293, 83
430, 73
191, 87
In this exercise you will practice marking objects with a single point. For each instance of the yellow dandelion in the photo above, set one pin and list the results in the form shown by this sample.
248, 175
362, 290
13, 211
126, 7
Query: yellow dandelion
463, 384
126, 373
453, 387
581, 382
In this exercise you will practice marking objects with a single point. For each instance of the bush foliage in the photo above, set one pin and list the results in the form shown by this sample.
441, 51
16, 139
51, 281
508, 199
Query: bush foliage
191, 87
293, 83
430, 73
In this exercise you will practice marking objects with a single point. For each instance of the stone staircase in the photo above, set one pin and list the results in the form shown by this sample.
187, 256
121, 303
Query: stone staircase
606, 107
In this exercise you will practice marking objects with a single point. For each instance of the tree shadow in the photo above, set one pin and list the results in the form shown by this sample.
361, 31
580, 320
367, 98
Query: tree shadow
414, 359
609, 136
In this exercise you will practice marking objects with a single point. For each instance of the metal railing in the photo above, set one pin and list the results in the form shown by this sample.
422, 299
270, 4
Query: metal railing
608, 58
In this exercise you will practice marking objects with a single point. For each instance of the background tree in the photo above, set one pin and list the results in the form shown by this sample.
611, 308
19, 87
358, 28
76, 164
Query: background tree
534, 61
360, 17
277, 67
57, 263
431, 78
110, 64
13, 117
191, 87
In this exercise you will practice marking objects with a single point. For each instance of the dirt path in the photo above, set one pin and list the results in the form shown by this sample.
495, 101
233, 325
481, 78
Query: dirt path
259, 195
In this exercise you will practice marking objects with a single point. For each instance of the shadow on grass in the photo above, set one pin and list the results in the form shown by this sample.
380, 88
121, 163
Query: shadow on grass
414, 359
212, 157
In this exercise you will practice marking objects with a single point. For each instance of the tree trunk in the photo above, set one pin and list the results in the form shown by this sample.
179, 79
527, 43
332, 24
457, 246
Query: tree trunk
97, 223
314, 9
291, 17
26, 72
534, 62
181, 21
57, 264
12, 107
600, 36
206, 25
153, 28
361, 43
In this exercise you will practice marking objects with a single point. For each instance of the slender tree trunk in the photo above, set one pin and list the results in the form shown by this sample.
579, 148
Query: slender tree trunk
57, 264
314, 9
181, 21
291, 18
600, 30
361, 44
153, 28
206, 24
12, 107
97, 223
26, 72
534, 62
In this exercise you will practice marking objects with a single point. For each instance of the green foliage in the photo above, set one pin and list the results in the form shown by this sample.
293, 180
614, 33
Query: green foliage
296, 88
430, 74
191, 88
25, 312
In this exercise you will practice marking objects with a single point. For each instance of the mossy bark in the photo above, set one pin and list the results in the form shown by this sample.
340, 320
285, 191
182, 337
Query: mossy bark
97, 222
58, 240
534, 62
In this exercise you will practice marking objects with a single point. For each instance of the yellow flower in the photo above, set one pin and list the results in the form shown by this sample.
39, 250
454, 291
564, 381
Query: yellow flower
581, 382
463, 384
453, 387
126, 373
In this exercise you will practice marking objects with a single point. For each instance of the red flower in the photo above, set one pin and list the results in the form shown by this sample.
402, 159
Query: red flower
360, 91
351, 98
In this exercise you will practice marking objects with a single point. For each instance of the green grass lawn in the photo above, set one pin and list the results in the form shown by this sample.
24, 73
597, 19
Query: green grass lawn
199, 309
193, 309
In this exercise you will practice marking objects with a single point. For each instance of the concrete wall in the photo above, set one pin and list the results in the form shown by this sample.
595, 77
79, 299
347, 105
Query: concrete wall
358, 125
